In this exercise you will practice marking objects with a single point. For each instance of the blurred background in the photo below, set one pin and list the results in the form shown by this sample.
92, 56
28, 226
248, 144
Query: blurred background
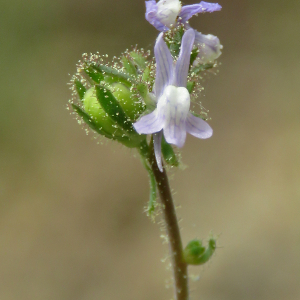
72, 221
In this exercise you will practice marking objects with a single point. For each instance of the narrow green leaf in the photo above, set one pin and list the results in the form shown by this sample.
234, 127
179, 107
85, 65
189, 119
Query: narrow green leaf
169, 154
80, 89
112, 107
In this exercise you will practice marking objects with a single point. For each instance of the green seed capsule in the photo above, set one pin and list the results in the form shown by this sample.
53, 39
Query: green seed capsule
99, 116
130, 104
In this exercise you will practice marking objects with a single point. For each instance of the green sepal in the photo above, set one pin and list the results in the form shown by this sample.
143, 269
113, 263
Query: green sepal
96, 76
125, 140
195, 254
190, 86
80, 88
152, 195
168, 153
201, 68
129, 66
144, 152
139, 59
175, 43
146, 74
194, 54
143, 89
111, 75
112, 107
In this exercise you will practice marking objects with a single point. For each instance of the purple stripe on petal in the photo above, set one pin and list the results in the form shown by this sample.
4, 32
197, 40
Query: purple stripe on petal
151, 16
157, 149
164, 65
176, 111
149, 123
188, 11
183, 62
198, 127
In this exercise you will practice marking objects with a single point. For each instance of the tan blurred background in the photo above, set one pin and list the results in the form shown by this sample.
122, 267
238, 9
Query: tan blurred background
72, 225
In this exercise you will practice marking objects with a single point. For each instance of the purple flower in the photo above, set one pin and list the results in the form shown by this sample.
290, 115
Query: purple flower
171, 116
165, 13
209, 48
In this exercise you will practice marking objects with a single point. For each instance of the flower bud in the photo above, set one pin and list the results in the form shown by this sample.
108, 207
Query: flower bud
167, 11
209, 48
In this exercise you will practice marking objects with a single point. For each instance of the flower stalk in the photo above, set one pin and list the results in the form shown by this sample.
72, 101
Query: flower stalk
179, 266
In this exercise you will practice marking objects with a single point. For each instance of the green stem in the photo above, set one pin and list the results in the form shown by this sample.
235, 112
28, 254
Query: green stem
172, 229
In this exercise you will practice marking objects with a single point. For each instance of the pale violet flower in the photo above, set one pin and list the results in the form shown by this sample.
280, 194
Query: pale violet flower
209, 48
172, 116
164, 13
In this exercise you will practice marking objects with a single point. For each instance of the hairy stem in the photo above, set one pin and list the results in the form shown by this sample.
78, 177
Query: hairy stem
172, 229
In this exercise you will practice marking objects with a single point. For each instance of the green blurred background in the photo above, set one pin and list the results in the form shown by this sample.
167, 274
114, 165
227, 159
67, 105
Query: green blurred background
72, 225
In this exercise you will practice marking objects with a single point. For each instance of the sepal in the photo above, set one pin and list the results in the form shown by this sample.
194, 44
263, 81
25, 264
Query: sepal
80, 88
169, 154
98, 120
113, 108
129, 66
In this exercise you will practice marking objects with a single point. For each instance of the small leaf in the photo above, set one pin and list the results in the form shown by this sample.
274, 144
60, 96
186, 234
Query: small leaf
129, 66
80, 88
112, 107
195, 254
169, 154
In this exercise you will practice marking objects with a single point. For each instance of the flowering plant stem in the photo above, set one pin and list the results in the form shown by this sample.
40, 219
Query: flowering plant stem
179, 266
